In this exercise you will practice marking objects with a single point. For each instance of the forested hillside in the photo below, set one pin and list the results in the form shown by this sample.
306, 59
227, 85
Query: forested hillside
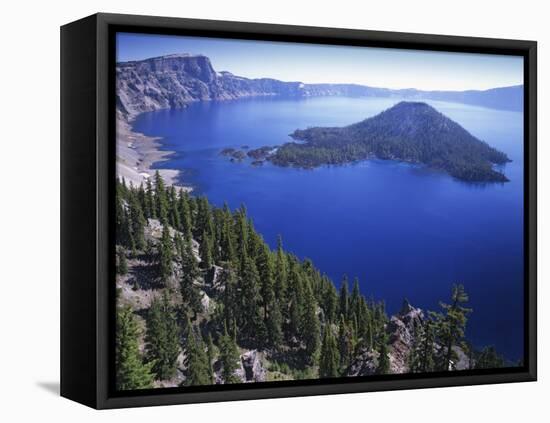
202, 299
409, 131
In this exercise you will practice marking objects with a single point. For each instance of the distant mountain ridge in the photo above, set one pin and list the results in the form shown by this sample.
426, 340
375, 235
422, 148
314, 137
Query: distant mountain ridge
409, 131
175, 80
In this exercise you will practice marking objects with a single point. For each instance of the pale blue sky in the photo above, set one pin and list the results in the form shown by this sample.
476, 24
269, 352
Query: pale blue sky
376, 67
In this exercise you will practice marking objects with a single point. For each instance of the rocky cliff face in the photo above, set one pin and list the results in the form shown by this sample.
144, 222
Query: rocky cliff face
173, 81
402, 330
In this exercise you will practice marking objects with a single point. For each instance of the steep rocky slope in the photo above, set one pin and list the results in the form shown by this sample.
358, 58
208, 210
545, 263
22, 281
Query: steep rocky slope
173, 81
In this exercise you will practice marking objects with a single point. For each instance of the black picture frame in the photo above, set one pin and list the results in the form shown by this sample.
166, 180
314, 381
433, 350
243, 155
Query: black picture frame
87, 180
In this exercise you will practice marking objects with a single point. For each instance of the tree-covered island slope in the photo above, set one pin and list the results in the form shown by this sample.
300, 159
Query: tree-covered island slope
202, 299
412, 132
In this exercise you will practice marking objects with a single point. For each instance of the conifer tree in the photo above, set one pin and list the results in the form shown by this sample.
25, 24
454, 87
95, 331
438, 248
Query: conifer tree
137, 222
295, 291
122, 223
160, 199
190, 294
229, 356
330, 297
354, 301
450, 326
363, 323
421, 359
280, 272
211, 354
231, 298
345, 343
141, 198
488, 358
227, 243
127, 230
310, 331
198, 369
293, 327
275, 325
173, 212
241, 232
204, 224
344, 297
255, 242
186, 225
165, 254
131, 372
329, 362
206, 251
252, 324
122, 267
383, 357
150, 210
265, 270
162, 338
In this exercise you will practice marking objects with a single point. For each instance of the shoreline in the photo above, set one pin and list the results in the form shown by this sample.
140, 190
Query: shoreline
136, 153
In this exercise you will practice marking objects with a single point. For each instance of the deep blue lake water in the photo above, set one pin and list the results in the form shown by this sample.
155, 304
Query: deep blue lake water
403, 230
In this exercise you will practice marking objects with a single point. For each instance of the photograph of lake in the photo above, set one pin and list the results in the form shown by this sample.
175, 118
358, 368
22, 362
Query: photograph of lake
292, 211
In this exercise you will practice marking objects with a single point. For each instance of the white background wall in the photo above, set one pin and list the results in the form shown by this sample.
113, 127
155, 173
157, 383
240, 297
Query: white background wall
29, 209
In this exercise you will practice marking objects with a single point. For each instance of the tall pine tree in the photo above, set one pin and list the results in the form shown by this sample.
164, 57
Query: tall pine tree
329, 362
450, 327
165, 255
162, 338
229, 356
198, 369
131, 372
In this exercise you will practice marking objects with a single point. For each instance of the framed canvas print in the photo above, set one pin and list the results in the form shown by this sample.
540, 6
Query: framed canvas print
255, 211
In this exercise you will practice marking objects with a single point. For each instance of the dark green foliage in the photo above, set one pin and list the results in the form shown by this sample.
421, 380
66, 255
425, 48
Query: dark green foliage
408, 131
161, 208
329, 298
137, 222
264, 264
123, 234
227, 238
271, 300
383, 356
190, 272
345, 343
173, 211
211, 355
275, 326
230, 299
206, 251
229, 356
122, 265
329, 362
162, 338
281, 269
251, 322
185, 215
165, 255
344, 297
131, 372
422, 356
450, 326
355, 301
150, 208
310, 328
199, 370
488, 358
